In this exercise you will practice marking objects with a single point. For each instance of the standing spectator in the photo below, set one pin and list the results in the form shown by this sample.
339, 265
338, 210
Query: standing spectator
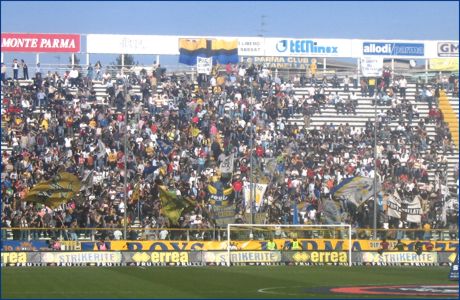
3, 73
25, 70
37, 70
402, 87
98, 67
346, 84
15, 69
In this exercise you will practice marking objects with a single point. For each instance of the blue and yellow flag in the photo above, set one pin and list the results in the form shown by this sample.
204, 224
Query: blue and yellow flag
221, 51
356, 189
224, 52
190, 49
60, 189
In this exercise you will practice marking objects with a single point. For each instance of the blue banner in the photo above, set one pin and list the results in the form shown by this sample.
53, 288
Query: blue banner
393, 49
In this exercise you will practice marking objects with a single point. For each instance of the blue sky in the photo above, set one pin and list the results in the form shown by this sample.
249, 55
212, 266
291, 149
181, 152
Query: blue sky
430, 20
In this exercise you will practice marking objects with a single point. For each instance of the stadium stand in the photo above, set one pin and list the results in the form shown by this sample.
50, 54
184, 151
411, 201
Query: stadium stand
180, 129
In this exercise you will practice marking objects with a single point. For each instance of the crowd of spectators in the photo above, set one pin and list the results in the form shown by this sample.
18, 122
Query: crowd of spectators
59, 121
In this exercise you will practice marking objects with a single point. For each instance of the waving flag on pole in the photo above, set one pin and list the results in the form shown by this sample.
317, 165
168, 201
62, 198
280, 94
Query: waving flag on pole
60, 189
356, 189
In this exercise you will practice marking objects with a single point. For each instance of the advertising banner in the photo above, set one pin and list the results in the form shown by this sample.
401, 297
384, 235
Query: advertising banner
307, 47
81, 257
169, 258
242, 257
132, 44
389, 49
447, 49
371, 66
251, 46
399, 258
307, 245
40, 42
278, 62
444, 64
316, 257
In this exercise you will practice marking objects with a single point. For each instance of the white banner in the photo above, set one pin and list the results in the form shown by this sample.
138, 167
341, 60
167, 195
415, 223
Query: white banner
260, 191
414, 210
307, 47
204, 65
371, 66
226, 166
394, 205
132, 44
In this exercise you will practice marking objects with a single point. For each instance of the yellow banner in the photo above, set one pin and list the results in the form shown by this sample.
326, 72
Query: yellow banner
444, 64
306, 244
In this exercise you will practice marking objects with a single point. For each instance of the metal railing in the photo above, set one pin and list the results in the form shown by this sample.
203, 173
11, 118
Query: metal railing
218, 234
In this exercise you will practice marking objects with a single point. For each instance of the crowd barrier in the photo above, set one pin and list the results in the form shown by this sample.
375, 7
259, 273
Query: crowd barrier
220, 258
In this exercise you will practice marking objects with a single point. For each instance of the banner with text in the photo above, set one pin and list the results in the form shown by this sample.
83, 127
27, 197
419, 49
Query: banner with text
132, 44
372, 66
40, 42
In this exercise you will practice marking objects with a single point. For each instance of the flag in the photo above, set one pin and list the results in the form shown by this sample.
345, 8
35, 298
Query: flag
295, 215
221, 51
87, 181
270, 166
394, 205
260, 189
102, 151
330, 212
226, 166
164, 147
135, 196
61, 188
218, 194
414, 210
356, 189
172, 204
225, 52
194, 131
190, 49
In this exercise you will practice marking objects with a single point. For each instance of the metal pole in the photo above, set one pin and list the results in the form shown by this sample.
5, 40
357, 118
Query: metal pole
125, 184
375, 169
251, 164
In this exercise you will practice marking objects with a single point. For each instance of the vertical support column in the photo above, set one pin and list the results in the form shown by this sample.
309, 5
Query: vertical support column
158, 59
73, 60
358, 66
2, 58
122, 61
37, 58
324, 65
392, 69
426, 71
87, 59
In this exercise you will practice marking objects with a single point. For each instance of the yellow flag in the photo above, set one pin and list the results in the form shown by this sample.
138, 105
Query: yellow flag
61, 188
